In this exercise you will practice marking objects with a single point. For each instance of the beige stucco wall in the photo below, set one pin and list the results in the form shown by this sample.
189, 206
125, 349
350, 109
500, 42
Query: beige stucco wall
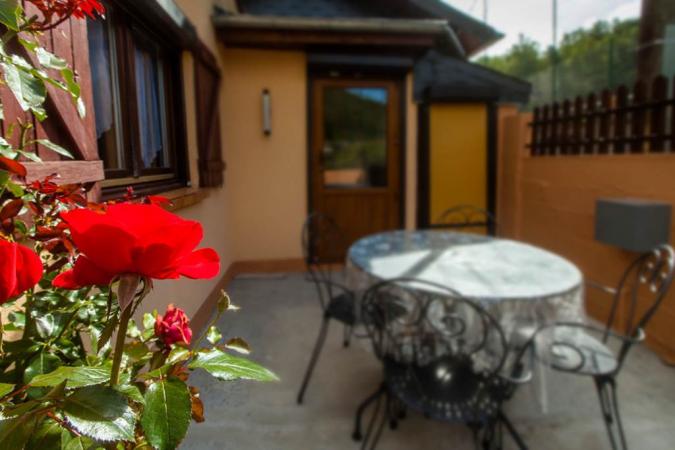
266, 175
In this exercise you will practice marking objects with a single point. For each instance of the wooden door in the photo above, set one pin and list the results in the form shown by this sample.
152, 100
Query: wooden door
355, 157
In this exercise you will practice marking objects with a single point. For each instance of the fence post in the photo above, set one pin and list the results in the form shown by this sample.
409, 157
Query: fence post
605, 122
658, 114
620, 136
638, 117
546, 131
555, 130
535, 146
589, 137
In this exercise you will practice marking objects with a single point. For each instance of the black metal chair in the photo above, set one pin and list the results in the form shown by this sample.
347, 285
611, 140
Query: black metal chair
600, 353
320, 234
443, 356
467, 217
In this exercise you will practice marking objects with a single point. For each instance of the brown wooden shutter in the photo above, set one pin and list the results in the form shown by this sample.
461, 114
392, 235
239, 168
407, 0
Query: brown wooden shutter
207, 87
63, 125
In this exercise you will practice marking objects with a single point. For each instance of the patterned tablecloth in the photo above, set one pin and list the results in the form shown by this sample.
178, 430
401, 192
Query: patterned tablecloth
522, 286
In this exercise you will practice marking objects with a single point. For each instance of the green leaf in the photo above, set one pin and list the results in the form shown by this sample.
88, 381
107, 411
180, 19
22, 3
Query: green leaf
4, 178
76, 376
178, 354
101, 413
167, 412
238, 345
5, 389
132, 392
10, 11
79, 443
15, 432
47, 435
148, 321
29, 45
20, 410
54, 147
225, 304
50, 60
227, 367
40, 364
29, 91
15, 189
45, 325
214, 335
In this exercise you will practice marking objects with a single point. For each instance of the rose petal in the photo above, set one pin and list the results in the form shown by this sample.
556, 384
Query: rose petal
28, 269
13, 166
203, 263
84, 273
7, 270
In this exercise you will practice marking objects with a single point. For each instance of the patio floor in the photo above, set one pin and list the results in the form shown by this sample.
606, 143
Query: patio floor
280, 318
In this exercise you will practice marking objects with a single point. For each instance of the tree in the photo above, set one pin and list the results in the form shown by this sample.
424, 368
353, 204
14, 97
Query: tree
590, 59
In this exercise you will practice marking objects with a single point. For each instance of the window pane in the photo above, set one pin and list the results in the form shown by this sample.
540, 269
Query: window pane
151, 110
106, 106
355, 143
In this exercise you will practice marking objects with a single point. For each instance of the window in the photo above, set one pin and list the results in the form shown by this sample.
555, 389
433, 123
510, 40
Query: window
137, 103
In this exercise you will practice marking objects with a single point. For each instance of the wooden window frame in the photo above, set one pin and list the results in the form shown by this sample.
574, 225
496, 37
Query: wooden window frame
128, 32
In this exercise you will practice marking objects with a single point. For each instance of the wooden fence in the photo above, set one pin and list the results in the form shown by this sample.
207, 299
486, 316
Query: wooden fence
637, 120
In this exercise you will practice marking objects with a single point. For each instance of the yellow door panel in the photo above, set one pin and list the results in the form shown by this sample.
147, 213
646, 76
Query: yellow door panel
457, 157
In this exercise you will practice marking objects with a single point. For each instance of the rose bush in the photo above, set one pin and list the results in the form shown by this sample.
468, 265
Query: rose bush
73, 275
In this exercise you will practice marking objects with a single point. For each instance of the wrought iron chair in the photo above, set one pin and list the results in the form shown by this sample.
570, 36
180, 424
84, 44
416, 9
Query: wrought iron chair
584, 349
467, 216
444, 357
319, 235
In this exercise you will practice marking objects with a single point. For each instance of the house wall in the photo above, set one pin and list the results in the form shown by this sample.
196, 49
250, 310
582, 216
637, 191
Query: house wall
266, 175
550, 202
213, 211
254, 221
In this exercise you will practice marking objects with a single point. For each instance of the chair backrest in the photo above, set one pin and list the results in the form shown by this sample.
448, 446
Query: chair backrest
643, 285
467, 216
416, 323
320, 233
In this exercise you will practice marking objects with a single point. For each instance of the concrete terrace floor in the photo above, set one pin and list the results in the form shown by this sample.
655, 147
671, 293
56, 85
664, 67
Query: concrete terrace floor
280, 318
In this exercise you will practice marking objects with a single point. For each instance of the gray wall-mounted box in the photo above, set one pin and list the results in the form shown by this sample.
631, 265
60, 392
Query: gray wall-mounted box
632, 224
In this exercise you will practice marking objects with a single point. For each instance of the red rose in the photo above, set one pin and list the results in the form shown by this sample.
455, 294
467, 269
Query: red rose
173, 327
20, 269
134, 239
66, 8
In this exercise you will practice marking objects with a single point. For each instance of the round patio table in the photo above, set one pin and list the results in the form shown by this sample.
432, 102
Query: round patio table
520, 285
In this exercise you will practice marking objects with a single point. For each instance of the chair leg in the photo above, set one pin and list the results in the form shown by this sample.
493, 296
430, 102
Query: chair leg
512, 431
347, 336
357, 436
609, 405
371, 424
383, 421
315, 356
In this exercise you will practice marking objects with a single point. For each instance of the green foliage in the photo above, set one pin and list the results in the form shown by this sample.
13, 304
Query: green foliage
75, 377
589, 60
227, 367
101, 413
62, 385
166, 415
15, 432
214, 335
